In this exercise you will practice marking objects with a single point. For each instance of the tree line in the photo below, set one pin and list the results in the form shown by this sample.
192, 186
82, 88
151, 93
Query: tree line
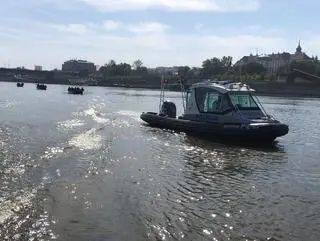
219, 68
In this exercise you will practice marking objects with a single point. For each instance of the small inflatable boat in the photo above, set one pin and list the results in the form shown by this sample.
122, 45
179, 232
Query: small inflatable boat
75, 90
41, 87
220, 111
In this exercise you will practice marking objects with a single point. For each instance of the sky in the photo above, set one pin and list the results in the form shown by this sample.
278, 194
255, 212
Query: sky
158, 32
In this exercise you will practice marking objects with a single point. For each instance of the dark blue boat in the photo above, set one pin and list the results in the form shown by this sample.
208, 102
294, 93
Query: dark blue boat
41, 87
75, 90
220, 111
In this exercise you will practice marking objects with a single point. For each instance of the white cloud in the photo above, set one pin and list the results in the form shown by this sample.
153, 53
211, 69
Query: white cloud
156, 47
175, 5
71, 28
111, 25
199, 26
147, 27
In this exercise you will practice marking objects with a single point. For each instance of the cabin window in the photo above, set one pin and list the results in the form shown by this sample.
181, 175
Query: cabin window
209, 100
225, 103
244, 101
188, 97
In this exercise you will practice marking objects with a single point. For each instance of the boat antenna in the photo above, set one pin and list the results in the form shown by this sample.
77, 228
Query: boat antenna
163, 87
183, 93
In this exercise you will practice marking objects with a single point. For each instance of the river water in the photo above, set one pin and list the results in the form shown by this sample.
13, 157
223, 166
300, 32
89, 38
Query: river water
86, 168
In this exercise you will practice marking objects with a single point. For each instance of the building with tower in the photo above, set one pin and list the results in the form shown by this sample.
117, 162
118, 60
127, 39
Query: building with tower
272, 62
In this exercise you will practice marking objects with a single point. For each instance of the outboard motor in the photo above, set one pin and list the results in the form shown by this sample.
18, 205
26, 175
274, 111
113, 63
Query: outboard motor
169, 109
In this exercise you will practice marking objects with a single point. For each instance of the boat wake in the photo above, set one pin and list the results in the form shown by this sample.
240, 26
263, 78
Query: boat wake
70, 124
89, 140
132, 114
96, 116
9, 207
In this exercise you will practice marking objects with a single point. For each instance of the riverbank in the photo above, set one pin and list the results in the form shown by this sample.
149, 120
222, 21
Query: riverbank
307, 90
287, 90
264, 89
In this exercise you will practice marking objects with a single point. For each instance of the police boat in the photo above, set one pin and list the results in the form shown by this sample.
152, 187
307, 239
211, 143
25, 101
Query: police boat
220, 111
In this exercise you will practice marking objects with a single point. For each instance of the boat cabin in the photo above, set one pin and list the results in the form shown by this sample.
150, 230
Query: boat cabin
225, 101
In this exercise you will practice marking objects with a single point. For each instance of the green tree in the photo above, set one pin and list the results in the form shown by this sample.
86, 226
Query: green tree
211, 67
216, 66
309, 67
123, 69
253, 68
226, 62
137, 64
111, 63
183, 71
142, 70
113, 69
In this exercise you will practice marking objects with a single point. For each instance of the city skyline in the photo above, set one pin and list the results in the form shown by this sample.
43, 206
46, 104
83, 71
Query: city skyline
159, 32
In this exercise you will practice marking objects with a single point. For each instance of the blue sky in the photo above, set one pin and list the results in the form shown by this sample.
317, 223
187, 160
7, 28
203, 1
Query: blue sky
159, 32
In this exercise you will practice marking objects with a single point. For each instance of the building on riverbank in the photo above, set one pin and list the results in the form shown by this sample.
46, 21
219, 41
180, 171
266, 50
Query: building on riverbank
272, 62
78, 66
38, 68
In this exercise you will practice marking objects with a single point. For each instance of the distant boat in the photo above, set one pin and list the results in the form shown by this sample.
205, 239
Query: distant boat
75, 90
41, 87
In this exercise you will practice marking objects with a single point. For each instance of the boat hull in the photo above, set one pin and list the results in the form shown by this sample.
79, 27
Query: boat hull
264, 133
41, 87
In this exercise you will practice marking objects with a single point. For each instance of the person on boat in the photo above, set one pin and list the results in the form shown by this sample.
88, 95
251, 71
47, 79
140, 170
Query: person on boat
217, 103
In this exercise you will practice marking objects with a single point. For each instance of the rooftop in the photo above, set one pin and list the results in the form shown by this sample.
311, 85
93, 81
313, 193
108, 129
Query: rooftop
224, 86
78, 61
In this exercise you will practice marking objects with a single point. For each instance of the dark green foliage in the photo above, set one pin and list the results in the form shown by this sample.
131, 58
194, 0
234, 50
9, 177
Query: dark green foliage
216, 66
253, 68
113, 69
311, 67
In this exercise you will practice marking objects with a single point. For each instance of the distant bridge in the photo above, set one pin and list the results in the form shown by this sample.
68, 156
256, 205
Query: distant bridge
296, 73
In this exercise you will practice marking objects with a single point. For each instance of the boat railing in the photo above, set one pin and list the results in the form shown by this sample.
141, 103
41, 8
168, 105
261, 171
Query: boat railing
184, 95
164, 84
237, 110
268, 116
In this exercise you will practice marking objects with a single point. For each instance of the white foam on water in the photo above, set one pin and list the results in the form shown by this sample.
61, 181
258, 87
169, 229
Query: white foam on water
9, 207
207, 231
40, 228
89, 140
120, 123
8, 103
15, 170
96, 116
51, 152
69, 124
132, 114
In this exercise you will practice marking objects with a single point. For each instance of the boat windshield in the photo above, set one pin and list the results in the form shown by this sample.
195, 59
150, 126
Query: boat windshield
244, 101
211, 101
